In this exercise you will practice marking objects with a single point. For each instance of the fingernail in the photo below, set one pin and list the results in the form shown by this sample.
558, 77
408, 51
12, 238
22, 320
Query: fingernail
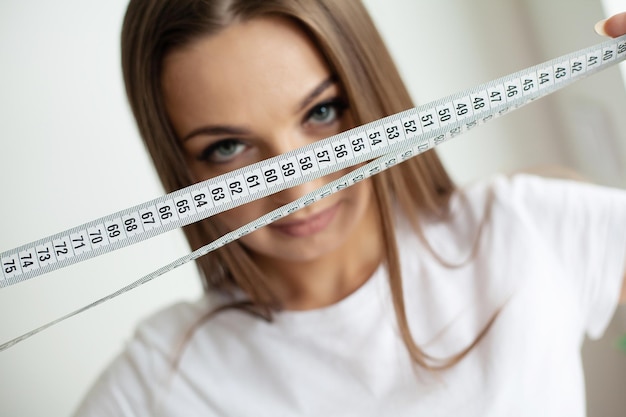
599, 28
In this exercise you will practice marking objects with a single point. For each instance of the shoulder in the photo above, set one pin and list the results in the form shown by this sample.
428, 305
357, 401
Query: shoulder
524, 208
129, 384
513, 189
165, 327
579, 224
526, 193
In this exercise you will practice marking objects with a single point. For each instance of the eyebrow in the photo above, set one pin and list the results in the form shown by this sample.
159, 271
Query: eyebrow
316, 92
215, 131
234, 130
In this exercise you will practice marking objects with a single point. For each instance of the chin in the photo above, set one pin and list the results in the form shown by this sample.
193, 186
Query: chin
297, 249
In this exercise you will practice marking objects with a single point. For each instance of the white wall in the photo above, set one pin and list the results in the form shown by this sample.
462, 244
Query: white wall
459, 44
70, 153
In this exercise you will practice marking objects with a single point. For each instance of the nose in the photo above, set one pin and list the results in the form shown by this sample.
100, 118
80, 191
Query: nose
291, 194
283, 144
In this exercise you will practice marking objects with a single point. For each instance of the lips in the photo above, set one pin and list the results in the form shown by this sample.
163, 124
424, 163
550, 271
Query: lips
308, 226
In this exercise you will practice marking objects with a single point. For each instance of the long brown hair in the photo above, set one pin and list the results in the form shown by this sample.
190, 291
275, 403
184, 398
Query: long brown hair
355, 53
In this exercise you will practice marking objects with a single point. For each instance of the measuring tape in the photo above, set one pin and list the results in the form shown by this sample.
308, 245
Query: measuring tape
387, 141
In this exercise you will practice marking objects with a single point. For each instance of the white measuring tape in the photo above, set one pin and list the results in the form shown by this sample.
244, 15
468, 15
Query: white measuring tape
391, 140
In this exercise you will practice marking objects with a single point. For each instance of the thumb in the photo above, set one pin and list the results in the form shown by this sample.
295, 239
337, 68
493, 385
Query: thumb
614, 26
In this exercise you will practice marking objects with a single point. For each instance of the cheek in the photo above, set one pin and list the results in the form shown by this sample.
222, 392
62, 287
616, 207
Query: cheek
195, 167
239, 216
258, 241
361, 197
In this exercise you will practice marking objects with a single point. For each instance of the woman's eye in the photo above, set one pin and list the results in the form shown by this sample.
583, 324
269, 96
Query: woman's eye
222, 151
327, 112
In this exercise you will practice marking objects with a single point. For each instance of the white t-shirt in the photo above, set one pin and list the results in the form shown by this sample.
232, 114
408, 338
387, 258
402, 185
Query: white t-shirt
551, 261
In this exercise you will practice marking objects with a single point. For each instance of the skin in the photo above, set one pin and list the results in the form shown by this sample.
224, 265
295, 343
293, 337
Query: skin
255, 90
614, 26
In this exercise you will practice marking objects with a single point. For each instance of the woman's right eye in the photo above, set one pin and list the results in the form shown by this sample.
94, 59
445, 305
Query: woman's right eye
222, 151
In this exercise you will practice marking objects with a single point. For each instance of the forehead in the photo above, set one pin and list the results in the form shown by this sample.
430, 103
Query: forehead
259, 62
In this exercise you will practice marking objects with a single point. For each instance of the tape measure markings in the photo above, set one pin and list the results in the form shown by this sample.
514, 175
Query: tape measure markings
502, 92
370, 169
424, 125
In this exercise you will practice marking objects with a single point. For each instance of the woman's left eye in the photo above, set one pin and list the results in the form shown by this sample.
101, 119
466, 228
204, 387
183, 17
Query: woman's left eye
326, 112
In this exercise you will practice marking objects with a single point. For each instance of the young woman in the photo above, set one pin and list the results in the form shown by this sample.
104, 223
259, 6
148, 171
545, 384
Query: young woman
401, 295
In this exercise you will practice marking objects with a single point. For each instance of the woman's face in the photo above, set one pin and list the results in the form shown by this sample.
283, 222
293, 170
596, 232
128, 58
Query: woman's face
255, 90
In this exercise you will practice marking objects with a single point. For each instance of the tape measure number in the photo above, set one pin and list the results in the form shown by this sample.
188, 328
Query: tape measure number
399, 136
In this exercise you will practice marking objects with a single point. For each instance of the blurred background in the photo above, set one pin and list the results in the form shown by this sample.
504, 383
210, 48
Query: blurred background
70, 153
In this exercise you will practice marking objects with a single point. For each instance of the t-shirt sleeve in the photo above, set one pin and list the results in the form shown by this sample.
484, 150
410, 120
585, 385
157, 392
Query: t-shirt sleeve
133, 384
584, 227
119, 392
